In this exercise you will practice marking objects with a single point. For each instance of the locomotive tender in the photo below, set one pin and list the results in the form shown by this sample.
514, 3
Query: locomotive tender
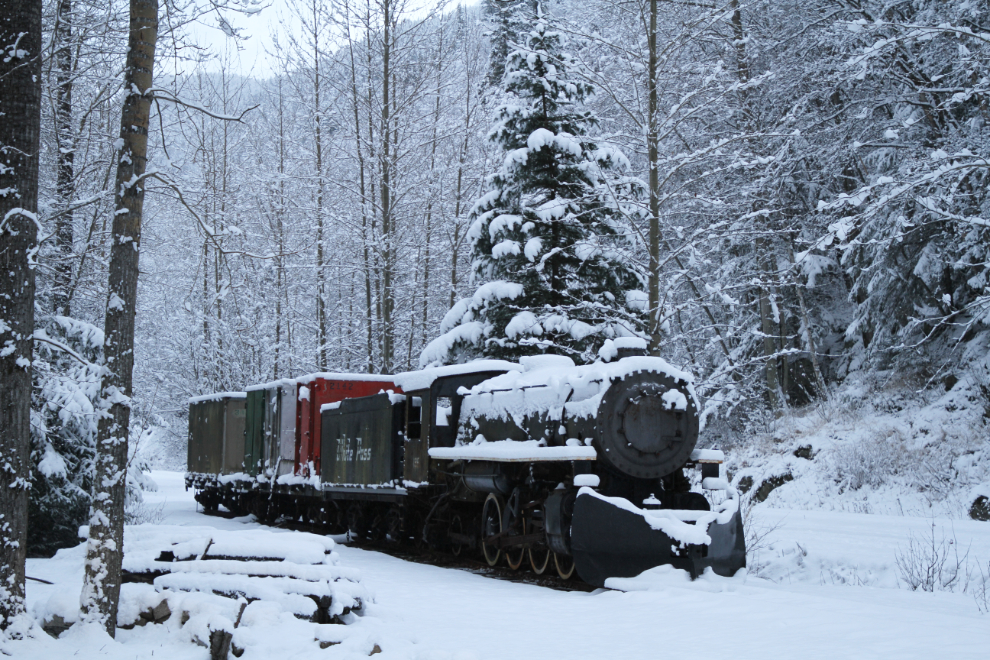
544, 463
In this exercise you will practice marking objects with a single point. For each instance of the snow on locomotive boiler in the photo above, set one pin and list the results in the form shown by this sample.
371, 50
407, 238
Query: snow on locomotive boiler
541, 463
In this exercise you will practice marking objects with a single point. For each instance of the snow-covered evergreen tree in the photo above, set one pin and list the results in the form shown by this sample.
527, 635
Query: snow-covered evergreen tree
547, 236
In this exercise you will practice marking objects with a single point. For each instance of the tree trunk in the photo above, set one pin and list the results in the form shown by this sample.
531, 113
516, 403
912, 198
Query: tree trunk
372, 300
365, 205
321, 312
20, 131
455, 242
280, 281
653, 157
104, 550
768, 329
429, 206
386, 191
65, 170
764, 253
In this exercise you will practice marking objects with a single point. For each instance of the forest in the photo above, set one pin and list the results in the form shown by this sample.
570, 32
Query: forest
779, 196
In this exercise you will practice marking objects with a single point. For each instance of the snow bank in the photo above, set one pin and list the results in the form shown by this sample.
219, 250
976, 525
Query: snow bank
878, 446
664, 577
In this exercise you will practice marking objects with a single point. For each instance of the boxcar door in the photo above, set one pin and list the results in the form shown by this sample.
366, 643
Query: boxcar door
254, 431
416, 456
233, 435
287, 432
272, 426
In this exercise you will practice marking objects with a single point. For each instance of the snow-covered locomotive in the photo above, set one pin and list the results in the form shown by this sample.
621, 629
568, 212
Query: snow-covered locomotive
542, 463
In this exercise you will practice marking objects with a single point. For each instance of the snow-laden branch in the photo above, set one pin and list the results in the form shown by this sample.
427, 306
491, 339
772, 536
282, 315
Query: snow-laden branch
210, 233
42, 336
14, 212
166, 95
915, 32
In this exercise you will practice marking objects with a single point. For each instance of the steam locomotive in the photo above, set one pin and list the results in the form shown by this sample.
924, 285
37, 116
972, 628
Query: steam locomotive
542, 463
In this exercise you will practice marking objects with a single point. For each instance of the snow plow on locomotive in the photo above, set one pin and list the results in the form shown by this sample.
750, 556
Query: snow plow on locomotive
543, 463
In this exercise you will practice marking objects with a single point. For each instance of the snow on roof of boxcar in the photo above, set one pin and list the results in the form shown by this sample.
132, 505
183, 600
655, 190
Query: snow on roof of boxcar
217, 396
281, 382
309, 378
419, 380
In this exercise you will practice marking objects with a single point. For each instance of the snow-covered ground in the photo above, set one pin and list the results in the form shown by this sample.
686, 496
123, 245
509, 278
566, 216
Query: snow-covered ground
830, 588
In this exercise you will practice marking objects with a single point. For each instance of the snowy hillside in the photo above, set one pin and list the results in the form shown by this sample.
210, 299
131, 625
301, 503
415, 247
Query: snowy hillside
880, 445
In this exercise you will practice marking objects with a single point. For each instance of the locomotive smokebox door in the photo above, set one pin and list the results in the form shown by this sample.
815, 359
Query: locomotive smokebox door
647, 426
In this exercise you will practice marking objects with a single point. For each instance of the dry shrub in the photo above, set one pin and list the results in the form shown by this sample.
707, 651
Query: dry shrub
931, 562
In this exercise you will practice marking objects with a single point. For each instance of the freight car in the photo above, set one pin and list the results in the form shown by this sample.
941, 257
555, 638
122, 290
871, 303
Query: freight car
543, 463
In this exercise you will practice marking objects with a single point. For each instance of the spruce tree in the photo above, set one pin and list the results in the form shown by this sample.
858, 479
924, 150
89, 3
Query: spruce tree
548, 236
509, 20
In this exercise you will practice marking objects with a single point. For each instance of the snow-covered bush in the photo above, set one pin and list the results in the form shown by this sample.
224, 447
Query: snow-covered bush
871, 461
63, 425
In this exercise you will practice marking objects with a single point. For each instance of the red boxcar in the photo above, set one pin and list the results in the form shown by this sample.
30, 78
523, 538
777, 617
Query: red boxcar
316, 390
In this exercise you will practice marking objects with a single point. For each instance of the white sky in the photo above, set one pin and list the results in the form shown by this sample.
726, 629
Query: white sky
251, 54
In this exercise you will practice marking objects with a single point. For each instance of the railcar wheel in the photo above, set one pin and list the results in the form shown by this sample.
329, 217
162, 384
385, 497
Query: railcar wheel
564, 565
264, 510
378, 528
539, 555
491, 524
356, 521
457, 527
394, 524
514, 557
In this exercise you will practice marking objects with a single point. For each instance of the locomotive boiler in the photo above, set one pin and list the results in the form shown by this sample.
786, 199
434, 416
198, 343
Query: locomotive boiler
542, 464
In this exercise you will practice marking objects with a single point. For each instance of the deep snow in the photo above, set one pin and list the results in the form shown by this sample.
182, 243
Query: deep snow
810, 607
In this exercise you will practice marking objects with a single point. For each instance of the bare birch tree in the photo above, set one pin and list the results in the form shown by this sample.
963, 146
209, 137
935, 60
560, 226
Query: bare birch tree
104, 549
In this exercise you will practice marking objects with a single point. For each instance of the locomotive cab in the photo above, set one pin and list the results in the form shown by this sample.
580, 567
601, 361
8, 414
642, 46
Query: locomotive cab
433, 408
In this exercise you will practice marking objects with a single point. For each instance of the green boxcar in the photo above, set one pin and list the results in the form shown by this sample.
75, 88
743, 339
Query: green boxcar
205, 448
362, 441
216, 433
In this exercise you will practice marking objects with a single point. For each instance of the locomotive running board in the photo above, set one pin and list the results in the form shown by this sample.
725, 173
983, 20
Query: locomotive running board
609, 541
